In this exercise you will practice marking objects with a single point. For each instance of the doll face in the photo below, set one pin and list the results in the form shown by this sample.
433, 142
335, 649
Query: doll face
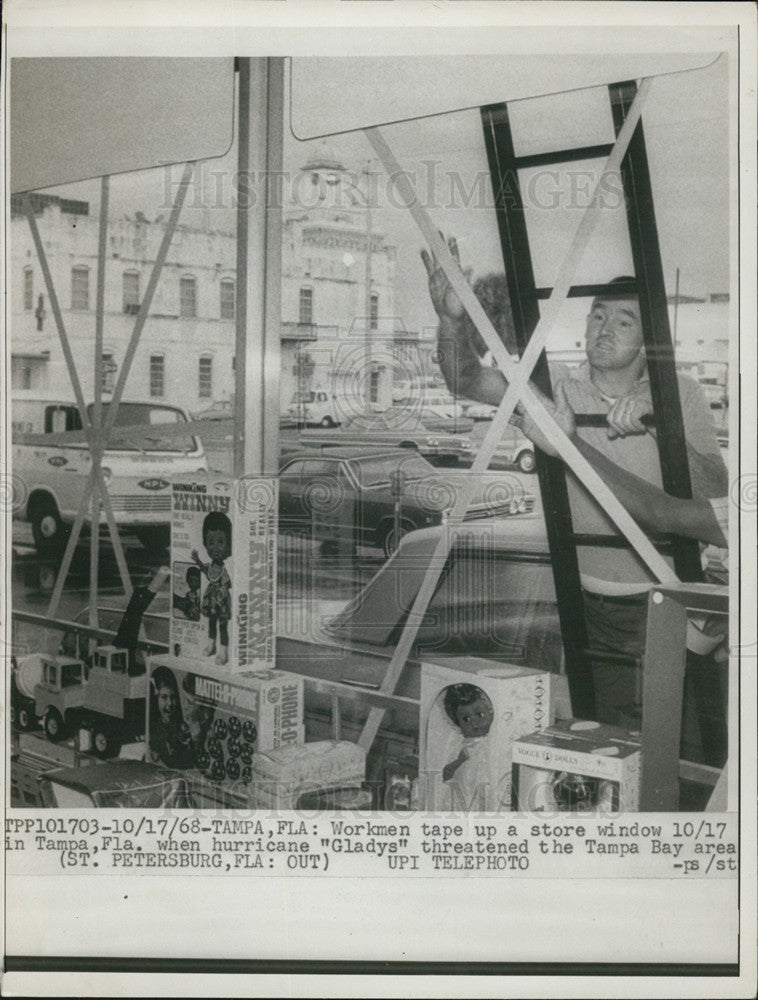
167, 705
475, 718
216, 545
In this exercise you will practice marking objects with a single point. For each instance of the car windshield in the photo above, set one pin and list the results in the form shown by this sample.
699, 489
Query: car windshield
148, 415
373, 473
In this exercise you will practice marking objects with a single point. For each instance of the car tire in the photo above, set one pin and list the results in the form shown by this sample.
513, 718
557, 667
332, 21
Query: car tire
104, 741
327, 422
48, 530
387, 541
53, 724
526, 461
154, 539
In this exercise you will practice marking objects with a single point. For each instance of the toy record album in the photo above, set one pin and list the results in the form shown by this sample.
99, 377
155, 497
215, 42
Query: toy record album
223, 570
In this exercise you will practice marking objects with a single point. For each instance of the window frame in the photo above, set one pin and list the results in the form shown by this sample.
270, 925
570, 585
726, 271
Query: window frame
185, 282
159, 359
305, 295
227, 305
80, 271
28, 288
129, 307
208, 360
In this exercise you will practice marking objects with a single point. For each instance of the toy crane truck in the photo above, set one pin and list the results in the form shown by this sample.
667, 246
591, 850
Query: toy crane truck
106, 698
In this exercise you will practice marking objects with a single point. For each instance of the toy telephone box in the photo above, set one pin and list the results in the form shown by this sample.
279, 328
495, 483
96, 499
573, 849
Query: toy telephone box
215, 724
472, 710
223, 571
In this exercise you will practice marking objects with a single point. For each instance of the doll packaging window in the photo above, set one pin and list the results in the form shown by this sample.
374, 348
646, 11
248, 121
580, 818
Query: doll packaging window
472, 710
577, 766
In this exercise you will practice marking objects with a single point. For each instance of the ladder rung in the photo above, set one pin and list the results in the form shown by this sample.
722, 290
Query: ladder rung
619, 289
607, 541
563, 156
601, 419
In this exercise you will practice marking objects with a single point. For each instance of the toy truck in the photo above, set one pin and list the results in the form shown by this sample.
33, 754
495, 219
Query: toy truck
108, 697
105, 699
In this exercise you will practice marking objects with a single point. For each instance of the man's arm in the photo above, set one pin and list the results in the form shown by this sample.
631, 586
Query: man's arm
652, 508
707, 469
461, 368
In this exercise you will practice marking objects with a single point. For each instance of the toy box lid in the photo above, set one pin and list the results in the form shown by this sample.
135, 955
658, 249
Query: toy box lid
450, 667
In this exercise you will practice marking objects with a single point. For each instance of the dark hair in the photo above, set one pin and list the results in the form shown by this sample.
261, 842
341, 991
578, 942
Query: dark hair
457, 695
194, 573
164, 677
492, 292
622, 293
217, 521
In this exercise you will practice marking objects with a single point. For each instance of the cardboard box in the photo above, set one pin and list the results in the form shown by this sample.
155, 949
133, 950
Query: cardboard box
577, 766
466, 765
223, 570
215, 723
329, 773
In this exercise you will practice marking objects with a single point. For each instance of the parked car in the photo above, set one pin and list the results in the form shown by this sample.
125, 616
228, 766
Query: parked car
222, 409
138, 464
513, 449
309, 408
348, 493
495, 596
425, 432
480, 411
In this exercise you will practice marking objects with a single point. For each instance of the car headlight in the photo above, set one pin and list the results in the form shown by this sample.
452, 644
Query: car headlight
465, 446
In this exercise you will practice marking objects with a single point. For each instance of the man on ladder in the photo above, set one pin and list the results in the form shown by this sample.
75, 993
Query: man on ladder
613, 381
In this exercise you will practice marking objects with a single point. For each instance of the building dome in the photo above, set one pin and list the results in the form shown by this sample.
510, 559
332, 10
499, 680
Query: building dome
324, 158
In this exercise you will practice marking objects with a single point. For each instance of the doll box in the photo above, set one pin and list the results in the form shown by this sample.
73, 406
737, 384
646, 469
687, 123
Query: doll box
220, 723
518, 699
577, 766
238, 588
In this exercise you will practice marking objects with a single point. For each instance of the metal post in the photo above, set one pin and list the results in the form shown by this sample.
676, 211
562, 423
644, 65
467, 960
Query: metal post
97, 414
369, 249
259, 244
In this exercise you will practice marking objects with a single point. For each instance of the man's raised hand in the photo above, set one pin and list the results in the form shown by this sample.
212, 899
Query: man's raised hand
446, 303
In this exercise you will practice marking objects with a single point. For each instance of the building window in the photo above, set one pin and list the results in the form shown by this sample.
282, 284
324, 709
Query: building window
205, 383
28, 288
374, 311
80, 288
157, 372
109, 373
26, 377
188, 298
227, 298
131, 293
306, 307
